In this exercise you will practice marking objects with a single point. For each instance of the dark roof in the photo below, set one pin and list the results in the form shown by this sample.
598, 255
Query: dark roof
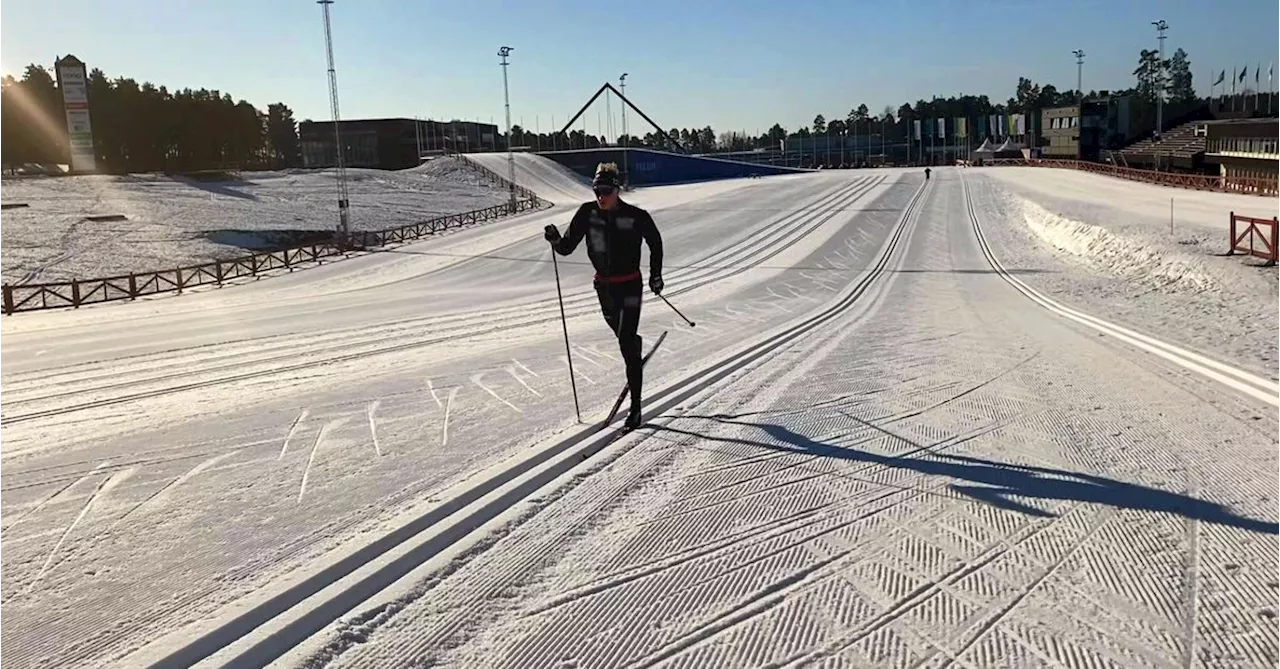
1236, 121
398, 120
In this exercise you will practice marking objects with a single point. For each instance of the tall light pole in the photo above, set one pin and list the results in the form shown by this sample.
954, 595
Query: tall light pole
1161, 26
626, 169
1079, 54
417, 140
506, 96
344, 214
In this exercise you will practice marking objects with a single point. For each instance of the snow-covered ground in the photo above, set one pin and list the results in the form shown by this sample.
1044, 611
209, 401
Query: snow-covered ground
174, 222
871, 451
1107, 245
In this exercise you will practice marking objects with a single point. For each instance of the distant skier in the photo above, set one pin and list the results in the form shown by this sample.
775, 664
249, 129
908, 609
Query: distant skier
926, 174
613, 229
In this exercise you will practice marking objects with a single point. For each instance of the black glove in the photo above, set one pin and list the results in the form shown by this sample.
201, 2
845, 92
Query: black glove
655, 284
551, 234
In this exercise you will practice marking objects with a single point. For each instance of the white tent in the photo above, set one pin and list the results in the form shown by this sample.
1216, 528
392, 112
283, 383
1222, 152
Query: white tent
1010, 145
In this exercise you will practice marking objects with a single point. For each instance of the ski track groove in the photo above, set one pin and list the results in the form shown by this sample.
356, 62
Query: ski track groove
284, 448
512, 372
993, 640
130, 463
444, 426
900, 232
84, 510
50, 498
432, 388
528, 371
164, 490
476, 379
999, 637
752, 251
373, 428
315, 446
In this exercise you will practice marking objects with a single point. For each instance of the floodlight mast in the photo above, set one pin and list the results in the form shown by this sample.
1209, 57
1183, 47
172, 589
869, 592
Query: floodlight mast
506, 97
344, 215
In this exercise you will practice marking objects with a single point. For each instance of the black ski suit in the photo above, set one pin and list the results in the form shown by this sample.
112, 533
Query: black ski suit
613, 245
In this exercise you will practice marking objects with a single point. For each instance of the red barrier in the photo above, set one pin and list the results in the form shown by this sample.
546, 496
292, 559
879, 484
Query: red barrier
1268, 240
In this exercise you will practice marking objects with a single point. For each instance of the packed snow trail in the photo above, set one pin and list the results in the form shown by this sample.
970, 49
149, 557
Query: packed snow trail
948, 475
269, 425
549, 179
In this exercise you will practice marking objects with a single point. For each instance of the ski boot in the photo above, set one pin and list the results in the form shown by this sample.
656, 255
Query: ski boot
633, 417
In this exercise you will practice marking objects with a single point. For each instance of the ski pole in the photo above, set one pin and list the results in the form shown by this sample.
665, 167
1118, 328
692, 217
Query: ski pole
573, 383
673, 308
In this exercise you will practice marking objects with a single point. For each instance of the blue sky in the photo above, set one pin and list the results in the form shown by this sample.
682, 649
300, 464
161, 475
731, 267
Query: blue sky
741, 64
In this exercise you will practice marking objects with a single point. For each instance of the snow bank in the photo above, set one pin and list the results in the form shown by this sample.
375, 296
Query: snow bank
1118, 254
1110, 255
175, 221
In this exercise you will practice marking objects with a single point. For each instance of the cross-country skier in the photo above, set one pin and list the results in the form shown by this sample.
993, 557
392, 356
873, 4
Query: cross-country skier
613, 230
926, 174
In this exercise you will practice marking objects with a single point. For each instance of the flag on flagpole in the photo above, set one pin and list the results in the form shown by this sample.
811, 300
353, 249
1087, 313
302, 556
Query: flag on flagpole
917, 127
1222, 76
942, 128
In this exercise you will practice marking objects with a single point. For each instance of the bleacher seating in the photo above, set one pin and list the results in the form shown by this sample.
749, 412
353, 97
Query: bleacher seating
1179, 146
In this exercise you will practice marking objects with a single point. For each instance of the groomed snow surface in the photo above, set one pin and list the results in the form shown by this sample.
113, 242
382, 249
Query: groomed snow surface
177, 221
999, 419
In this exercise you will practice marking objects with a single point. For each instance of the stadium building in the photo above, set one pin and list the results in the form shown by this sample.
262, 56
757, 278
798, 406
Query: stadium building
392, 143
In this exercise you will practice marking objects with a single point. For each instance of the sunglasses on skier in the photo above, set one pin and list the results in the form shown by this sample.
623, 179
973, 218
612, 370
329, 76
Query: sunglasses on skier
603, 191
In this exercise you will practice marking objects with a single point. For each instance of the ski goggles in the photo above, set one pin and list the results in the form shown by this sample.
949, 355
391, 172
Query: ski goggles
604, 189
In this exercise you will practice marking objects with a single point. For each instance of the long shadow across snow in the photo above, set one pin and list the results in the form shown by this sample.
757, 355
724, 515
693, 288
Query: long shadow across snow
1000, 481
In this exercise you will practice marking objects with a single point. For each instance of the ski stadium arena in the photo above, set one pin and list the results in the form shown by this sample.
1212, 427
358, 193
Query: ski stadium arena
1010, 415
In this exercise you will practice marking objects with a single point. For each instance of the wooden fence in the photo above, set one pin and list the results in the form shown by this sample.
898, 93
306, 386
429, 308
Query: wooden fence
1261, 243
1248, 186
35, 297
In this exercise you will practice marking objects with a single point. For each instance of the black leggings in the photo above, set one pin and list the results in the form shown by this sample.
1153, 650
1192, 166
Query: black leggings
620, 304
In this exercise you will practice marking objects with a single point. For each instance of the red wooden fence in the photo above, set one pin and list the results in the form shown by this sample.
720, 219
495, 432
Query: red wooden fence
1261, 243
1249, 186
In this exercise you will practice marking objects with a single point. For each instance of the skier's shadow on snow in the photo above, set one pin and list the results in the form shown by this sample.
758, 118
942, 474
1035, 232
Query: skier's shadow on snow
1000, 482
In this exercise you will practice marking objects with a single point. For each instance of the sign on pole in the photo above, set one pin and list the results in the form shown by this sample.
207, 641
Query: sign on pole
73, 82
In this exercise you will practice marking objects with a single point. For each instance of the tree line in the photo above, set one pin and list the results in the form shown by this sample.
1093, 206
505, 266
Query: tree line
145, 128
1173, 73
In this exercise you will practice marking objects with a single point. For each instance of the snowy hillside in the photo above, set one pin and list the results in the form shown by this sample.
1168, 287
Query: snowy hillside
918, 424
177, 221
